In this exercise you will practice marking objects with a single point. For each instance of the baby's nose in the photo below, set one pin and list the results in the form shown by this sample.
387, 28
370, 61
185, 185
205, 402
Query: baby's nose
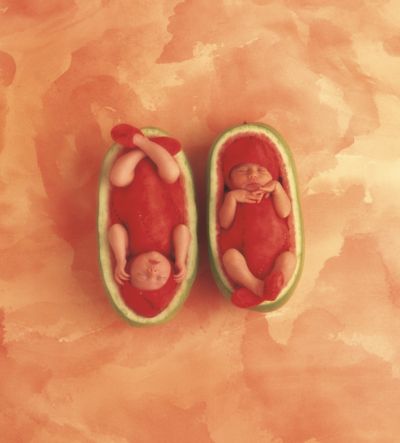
252, 174
151, 270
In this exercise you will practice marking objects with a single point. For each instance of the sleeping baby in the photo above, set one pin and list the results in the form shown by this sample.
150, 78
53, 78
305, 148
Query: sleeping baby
254, 234
148, 234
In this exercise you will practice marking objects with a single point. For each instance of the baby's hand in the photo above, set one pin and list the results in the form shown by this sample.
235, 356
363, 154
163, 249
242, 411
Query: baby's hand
119, 274
243, 196
180, 272
269, 187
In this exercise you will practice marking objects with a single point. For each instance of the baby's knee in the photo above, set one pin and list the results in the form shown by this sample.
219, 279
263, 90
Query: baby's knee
119, 179
288, 260
171, 173
231, 256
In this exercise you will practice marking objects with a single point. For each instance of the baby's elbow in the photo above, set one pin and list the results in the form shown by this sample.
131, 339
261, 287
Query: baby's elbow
224, 223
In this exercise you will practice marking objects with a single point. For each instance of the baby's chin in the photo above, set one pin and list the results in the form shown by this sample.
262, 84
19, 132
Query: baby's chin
147, 286
252, 187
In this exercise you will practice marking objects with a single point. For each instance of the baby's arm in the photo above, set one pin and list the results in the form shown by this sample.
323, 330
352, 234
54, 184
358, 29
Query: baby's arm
181, 240
232, 198
123, 170
281, 201
227, 211
118, 238
167, 167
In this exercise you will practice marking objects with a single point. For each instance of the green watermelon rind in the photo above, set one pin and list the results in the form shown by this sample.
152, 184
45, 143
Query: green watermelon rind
212, 184
105, 252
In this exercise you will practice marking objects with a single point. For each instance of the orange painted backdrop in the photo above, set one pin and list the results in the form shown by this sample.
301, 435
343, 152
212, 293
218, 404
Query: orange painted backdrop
324, 368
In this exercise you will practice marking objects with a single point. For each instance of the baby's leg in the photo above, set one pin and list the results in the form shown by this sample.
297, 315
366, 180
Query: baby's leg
281, 272
285, 263
123, 170
237, 269
167, 167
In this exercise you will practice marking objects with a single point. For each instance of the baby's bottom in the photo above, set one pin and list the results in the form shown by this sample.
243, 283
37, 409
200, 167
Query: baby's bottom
238, 270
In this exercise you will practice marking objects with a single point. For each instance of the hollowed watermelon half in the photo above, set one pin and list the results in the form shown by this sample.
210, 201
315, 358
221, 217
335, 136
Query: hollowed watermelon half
105, 252
216, 189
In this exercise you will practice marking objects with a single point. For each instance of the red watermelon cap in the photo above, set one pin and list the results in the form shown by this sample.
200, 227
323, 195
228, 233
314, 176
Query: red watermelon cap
250, 149
149, 303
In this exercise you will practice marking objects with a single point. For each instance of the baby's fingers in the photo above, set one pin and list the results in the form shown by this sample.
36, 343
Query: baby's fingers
117, 279
124, 274
179, 274
251, 198
178, 277
121, 276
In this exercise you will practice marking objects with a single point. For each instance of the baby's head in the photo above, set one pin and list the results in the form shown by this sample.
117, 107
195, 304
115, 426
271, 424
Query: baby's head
150, 271
152, 285
248, 163
249, 176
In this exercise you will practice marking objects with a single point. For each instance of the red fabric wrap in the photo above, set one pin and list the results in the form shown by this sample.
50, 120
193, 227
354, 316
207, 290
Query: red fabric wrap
249, 149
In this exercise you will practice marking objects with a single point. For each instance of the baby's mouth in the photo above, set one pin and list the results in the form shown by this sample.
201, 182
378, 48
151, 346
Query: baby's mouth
252, 187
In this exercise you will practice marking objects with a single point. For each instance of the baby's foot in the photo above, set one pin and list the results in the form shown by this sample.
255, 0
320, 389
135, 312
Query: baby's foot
244, 298
169, 144
124, 133
273, 285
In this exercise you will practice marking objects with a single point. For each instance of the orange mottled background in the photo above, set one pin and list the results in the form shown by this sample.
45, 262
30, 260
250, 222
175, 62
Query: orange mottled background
323, 369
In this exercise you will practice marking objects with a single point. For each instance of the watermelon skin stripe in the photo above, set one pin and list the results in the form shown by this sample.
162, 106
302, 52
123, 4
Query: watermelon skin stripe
220, 277
111, 286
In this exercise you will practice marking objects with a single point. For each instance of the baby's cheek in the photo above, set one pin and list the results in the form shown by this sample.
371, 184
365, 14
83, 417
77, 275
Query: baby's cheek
134, 281
238, 184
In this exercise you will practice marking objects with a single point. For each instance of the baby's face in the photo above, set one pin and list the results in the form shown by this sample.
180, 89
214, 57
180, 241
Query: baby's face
249, 176
150, 271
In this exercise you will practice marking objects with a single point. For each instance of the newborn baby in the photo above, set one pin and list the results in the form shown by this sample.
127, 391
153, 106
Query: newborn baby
148, 235
254, 239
